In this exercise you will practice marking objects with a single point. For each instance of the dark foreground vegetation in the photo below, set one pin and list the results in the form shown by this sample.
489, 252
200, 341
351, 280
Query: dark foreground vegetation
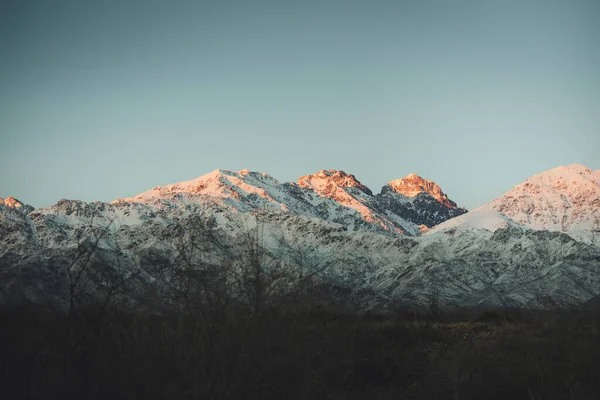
298, 354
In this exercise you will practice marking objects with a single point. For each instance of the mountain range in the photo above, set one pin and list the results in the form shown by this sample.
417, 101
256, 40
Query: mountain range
535, 246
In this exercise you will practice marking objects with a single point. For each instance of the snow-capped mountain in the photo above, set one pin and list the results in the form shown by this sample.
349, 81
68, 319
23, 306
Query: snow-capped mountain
330, 195
509, 267
501, 254
475, 220
419, 200
413, 185
12, 203
564, 199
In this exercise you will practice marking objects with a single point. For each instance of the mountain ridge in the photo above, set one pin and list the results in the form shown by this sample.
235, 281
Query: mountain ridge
317, 195
482, 257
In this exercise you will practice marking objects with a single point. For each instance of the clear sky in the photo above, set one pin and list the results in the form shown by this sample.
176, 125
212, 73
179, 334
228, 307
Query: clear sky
106, 99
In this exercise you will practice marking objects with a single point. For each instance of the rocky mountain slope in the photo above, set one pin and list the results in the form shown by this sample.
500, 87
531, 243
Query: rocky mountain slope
328, 224
419, 200
564, 199
330, 195
14, 204
510, 267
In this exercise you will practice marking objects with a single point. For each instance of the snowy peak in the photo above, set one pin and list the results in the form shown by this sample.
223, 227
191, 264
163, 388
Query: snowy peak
561, 178
11, 202
564, 199
419, 200
219, 183
413, 185
347, 191
332, 195
489, 256
327, 181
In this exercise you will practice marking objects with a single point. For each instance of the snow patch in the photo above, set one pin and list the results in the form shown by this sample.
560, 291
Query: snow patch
479, 218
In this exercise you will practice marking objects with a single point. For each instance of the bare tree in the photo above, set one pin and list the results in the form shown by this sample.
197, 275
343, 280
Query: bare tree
93, 280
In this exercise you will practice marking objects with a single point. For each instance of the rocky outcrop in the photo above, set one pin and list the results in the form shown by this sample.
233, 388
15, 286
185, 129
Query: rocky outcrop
12, 203
413, 185
328, 180
419, 200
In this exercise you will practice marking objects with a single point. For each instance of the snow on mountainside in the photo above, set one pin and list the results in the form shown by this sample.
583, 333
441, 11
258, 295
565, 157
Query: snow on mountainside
413, 185
495, 255
327, 180
596, 176
346, 190
477, 219
564, 199
114, 215
419, 200
330, 195
510, 267
243, 191
12, 203
222, 184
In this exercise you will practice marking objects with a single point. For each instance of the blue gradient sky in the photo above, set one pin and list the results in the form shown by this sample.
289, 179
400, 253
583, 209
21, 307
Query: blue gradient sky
106, 99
